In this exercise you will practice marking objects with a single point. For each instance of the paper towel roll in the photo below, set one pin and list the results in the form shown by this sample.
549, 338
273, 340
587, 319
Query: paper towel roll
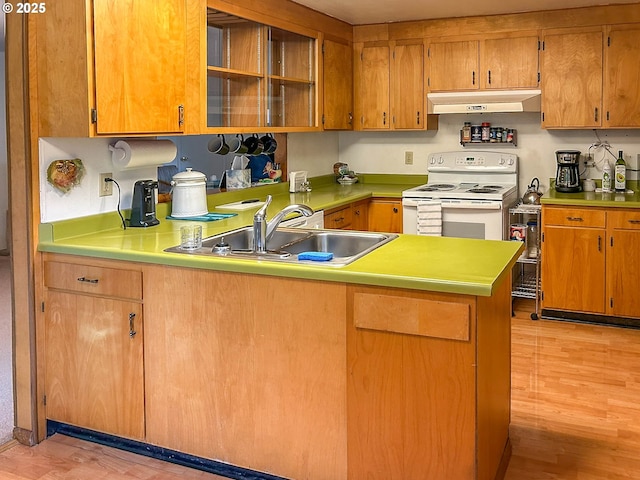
130, 154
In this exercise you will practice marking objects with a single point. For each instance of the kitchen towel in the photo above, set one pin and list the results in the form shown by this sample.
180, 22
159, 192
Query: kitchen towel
131, 154
429, 218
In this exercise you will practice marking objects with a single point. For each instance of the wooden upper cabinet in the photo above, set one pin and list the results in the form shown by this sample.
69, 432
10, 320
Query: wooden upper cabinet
373, 96
389, 86
510, 62
571, 82
453, 66
338, 86
111, 68
140, 50
621, 74
408, 86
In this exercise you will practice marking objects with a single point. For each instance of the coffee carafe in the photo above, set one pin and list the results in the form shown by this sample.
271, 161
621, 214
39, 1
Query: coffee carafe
568, 171
143, 207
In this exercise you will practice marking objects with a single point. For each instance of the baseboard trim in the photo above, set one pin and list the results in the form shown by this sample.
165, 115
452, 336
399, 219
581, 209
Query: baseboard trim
159, 453
606, 320
25, 437
10, 444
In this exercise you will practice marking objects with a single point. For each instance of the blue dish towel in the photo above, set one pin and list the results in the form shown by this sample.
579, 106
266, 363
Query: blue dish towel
207, 217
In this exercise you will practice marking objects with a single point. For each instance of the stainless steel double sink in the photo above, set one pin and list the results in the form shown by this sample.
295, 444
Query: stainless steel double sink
287, 243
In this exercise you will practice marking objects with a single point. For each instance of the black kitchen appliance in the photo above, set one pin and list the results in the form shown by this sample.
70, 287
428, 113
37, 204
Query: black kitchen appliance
143, 207
568, 171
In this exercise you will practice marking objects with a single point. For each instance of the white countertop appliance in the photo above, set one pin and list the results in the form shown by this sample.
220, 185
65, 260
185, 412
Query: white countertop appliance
473, 189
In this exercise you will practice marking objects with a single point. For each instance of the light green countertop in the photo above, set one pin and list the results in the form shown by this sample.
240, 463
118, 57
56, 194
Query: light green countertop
595, 199
454, 265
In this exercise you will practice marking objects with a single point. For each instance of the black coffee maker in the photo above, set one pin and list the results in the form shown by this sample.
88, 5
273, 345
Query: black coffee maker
568, 171
143, 207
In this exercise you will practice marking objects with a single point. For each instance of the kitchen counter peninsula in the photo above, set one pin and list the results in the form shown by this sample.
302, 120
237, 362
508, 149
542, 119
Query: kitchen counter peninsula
395, 366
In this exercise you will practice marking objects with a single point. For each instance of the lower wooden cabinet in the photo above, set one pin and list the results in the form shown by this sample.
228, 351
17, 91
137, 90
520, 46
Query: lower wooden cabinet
590, 260
360, 215
94, 372
385, 215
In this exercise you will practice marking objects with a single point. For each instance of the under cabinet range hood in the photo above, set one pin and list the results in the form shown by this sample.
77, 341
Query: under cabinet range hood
485, 101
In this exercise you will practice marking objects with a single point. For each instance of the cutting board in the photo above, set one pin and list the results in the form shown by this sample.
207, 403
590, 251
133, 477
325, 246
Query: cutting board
239, 206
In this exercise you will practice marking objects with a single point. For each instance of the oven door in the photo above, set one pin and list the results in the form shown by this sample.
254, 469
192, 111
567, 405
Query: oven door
483, 219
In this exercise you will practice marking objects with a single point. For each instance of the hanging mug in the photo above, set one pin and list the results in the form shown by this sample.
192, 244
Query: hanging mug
254, 145
218, 145
270, 143
235, 144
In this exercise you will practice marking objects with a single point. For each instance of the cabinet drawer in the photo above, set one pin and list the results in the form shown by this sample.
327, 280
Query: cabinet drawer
629, 220
110, 282
340, 218
574, 217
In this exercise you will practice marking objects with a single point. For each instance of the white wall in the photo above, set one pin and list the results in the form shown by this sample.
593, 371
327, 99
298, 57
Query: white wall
383, 152
365, 152
83, 199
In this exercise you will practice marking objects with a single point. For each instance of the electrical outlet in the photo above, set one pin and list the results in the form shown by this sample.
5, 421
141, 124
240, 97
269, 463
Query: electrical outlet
106, 188
408, 158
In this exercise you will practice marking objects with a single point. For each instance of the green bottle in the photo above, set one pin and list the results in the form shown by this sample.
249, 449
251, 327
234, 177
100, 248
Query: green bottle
620, 174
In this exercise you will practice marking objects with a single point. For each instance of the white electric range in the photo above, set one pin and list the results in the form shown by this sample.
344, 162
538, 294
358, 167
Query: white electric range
474, 189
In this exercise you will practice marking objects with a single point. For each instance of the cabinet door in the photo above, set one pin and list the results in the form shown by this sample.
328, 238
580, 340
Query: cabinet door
571, 81
374, 83
623, 265
509, 62
338, 86
140, 55
573, 273
454, 66
408, 87
94, 370
385, 216
360, 216
621, 74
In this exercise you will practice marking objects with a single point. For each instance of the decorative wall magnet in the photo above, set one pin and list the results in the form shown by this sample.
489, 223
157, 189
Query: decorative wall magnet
63, 175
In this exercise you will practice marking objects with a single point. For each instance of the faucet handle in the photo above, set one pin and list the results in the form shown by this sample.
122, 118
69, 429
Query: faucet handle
262, 213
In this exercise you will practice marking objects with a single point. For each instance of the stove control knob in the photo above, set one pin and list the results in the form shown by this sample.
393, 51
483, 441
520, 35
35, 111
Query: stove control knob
501, 161
440, 160
511, 161
432, 160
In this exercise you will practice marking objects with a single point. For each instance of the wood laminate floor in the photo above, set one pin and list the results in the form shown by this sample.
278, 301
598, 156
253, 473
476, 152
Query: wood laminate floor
575, 415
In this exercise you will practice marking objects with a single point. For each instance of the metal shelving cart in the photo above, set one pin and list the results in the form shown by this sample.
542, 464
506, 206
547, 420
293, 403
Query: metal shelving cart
526, 278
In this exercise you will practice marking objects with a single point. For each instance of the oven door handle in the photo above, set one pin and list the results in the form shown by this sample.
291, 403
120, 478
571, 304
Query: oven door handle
472, 205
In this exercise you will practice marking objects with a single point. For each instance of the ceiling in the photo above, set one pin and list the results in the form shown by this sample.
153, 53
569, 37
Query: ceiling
363, 12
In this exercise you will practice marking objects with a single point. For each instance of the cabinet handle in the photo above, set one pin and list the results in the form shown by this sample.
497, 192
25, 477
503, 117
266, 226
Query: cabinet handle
473, 77
575, 219
599, 243
418, 115
384, 118
338, 220
350, 118
87, 280
595, 114
489, 76
634, 222
395, 210
180, 115
356, 212
132, 332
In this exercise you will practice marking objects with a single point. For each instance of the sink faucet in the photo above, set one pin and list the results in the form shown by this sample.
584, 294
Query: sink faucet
263, 230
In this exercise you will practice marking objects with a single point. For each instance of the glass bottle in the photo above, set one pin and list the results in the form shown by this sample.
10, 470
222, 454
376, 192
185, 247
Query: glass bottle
620, 174
532, 239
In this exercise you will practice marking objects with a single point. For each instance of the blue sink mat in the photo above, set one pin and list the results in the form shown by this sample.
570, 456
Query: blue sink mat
208, 217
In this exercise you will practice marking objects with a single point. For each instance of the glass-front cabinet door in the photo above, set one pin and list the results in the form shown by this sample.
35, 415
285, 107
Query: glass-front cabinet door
292, 85
259, 77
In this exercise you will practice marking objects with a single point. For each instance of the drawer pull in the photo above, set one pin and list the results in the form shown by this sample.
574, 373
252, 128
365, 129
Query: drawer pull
87, 280
634, 222
575, 219
132, 331
338, 220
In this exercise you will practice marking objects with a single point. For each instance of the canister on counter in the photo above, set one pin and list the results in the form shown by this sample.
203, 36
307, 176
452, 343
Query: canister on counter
518, 231
476, 134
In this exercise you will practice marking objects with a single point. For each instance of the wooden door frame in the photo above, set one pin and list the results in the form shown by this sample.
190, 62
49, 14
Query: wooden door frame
23, 220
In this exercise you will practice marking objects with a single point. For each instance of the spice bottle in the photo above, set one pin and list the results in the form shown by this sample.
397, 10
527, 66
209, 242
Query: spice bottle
486, 132
466, 132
